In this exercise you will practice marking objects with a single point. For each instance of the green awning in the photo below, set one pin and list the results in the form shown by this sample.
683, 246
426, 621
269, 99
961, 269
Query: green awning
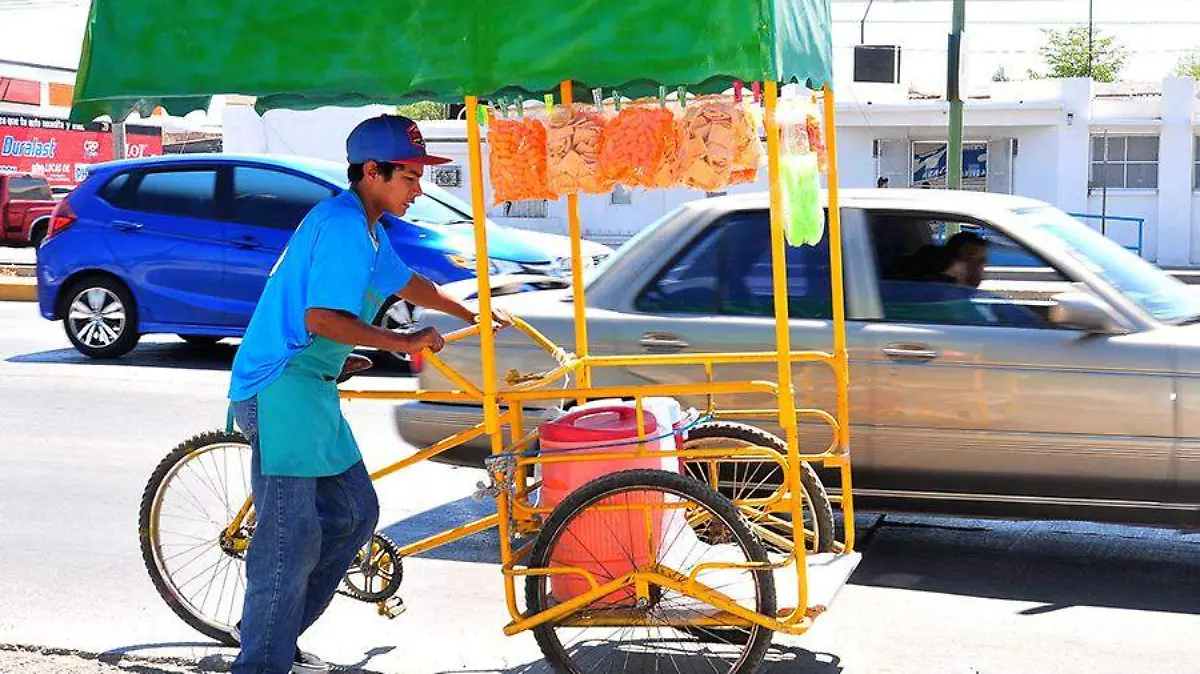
303, 54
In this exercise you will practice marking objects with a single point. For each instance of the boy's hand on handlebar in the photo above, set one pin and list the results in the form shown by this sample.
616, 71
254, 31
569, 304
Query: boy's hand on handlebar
427, 338
500, 318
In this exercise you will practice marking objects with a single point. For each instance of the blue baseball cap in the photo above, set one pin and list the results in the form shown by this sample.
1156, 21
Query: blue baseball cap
389, 138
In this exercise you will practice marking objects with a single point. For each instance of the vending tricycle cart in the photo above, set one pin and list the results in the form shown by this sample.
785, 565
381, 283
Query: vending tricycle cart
689, 551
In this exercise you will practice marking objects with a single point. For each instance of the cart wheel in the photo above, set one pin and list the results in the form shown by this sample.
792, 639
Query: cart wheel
743, 479
191, 497
603, 528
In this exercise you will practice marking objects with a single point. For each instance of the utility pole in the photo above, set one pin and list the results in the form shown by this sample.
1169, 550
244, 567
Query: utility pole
118, 136
954, 153
1091, 38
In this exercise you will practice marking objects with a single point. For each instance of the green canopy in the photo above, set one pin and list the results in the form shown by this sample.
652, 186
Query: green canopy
307, 53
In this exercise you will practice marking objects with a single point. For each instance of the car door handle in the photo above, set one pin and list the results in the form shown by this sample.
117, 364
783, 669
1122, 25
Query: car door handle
663, 340
126, 226
910, 352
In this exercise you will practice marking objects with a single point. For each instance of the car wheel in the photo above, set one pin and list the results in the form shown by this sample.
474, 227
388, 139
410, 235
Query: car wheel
100, 318
396, 315
38, 232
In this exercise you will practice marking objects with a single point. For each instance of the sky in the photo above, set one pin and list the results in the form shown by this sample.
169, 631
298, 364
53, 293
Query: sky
999, 33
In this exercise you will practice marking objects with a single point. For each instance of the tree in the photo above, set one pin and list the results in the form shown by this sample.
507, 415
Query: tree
1000, 75
1189, 66
1066, 55
422, 110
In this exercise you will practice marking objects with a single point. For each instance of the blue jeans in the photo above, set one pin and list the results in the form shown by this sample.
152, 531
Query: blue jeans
308, 531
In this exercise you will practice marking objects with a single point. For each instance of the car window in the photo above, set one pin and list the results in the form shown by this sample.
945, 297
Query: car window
747, 272
186, 193
113, 188
923, 280
689, 284
26, 188
269, 198
728, 271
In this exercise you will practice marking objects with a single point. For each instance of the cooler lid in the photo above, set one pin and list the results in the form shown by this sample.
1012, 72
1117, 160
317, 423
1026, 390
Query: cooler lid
599, 424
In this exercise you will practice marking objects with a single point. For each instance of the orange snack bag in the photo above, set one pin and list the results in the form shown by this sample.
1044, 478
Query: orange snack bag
747, 150
706, 155
574, 139
637, 145
517, 160
813, 127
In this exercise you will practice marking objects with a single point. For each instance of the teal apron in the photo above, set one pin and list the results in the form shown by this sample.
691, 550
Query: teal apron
302, 432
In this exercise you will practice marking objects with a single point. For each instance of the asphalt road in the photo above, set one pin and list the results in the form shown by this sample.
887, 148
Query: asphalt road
78, 439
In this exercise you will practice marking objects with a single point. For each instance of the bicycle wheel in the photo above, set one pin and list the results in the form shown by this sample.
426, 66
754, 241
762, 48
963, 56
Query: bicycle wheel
740, 479
192, 496
603, 527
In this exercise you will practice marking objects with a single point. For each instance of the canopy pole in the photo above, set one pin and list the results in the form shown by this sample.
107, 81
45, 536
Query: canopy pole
783, 345
783, 342
841, 357
487, 336
576, 233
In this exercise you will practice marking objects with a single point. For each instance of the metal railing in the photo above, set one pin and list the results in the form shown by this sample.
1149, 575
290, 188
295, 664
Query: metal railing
1104, 220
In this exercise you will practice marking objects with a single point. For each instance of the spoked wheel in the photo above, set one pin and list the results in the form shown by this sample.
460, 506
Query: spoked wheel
649, 520
739, 479
191, 498
396, 315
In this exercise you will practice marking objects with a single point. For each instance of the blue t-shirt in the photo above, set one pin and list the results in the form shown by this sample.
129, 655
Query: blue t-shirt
331, 262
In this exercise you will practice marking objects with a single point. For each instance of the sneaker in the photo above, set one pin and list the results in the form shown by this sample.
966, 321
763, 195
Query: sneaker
307, 663
302, 663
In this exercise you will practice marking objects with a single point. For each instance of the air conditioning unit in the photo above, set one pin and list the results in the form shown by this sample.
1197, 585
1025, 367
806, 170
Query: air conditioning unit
877, 63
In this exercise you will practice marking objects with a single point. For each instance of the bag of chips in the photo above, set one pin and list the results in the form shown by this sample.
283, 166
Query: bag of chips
517, 160
748, 151
573, 140
637, 145
706, 154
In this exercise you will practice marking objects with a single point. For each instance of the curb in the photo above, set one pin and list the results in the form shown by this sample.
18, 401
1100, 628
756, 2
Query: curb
18, 289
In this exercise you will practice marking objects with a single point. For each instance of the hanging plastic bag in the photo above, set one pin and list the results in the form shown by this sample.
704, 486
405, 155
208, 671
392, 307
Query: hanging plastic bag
517, 160
800, 181
706, 154
573, 140
637, 145
748, 151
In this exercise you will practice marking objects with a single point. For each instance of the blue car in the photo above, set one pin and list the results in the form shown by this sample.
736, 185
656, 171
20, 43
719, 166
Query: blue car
183, 244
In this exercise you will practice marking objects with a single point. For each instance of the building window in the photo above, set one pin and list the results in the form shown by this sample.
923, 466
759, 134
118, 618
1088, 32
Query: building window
622, 196
538, 208
1196, 167
1124, 162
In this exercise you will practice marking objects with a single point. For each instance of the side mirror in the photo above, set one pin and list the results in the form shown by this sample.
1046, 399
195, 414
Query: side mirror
1082, 311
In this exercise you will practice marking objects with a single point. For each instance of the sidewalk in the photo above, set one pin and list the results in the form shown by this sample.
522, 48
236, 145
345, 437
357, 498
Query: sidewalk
30, 660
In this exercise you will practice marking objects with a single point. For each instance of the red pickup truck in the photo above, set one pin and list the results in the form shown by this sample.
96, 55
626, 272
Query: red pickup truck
26, 203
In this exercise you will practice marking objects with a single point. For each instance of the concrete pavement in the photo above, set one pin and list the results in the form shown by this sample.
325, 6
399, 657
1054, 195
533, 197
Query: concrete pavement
79, 439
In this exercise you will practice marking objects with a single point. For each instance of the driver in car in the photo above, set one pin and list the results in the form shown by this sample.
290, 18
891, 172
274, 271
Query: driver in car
314, 501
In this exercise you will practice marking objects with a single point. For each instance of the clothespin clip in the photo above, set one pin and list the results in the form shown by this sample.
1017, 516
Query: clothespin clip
519, 101
662, 96
598, 97
682, 97
503, 103
549, 99
737, 91
617, 99
757, 88
481, 112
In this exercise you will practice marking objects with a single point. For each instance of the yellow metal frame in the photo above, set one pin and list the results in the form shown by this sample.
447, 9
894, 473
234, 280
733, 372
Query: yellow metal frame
515, 512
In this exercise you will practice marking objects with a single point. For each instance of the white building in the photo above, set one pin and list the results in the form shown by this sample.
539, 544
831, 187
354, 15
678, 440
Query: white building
1042, 139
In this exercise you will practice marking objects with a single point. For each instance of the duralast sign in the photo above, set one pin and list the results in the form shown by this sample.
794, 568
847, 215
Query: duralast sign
61, 151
